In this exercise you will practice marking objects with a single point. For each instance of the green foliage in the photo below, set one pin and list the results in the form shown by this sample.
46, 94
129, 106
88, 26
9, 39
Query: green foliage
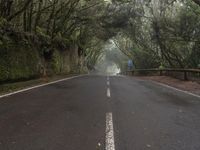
24, 55
56, 62
145, 60
148, 32
41, 32
166, 34
161, 67
3, 22
15, 61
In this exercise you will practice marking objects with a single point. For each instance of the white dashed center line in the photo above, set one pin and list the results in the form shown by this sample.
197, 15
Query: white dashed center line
108, 87
108, 92
110, 142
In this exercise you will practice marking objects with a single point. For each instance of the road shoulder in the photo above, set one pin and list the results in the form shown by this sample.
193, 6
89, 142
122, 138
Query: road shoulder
9, 88
185, 86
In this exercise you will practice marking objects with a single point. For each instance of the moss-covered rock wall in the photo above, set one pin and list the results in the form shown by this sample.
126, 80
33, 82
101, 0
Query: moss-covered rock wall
24, 56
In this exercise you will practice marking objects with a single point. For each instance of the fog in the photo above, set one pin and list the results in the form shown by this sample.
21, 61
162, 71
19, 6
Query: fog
112, 60
107, 67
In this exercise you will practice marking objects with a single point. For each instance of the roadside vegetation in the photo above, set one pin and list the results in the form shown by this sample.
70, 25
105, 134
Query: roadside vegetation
161, 34
51, 37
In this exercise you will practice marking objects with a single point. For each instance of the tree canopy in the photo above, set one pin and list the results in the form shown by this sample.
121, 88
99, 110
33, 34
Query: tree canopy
150, 32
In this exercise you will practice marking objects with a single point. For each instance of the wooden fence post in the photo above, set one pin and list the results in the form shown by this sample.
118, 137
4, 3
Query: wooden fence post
185, 76
161, 73
132, 73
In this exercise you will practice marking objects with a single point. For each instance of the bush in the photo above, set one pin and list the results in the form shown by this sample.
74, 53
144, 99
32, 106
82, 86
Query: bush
198, 66
161, 67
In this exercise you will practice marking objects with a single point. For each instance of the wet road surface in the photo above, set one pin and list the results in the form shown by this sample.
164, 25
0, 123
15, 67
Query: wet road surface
99, 112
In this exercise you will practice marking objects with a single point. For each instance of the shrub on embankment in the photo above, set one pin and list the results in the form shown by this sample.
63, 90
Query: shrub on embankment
24, 55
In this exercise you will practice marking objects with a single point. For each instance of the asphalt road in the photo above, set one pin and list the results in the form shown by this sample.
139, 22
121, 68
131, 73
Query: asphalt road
98, 113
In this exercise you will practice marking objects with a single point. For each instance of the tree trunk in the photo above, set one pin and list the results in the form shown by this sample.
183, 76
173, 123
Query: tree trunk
51, 17
30, 15
25, 21
20, 11
5, 8
37, 20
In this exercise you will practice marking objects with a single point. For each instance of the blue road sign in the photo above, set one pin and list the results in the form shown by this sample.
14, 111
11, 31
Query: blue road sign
130, 64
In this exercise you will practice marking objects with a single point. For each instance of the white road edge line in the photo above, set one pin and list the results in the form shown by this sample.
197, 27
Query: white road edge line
41, 85
170, 87
110, 142
108, 83
108, 92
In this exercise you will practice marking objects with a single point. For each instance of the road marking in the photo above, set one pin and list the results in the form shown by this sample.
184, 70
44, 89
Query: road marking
110, 142
108, 83
108, 92
170, 87
38, 86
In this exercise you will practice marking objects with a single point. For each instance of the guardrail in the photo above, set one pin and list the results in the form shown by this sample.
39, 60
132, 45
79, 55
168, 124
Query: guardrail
183, 74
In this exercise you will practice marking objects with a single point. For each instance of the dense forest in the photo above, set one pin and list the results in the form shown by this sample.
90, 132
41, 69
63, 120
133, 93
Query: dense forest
162, 34
47, 37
